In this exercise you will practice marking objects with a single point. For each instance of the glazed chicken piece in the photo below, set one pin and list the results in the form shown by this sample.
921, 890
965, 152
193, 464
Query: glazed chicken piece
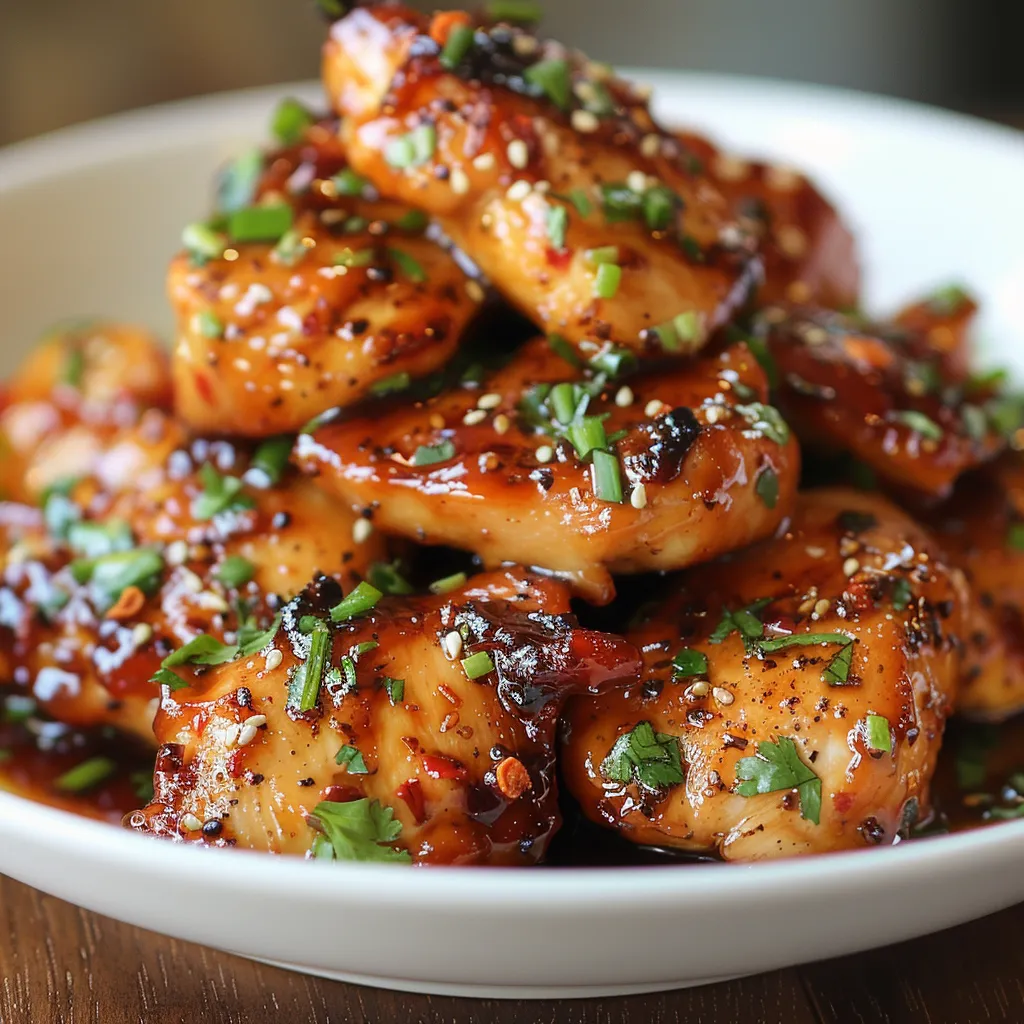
793, 697
548, 171
559, 466
886, 395
308, 293
438, 710
75, 391
809, 254
982, 531
98, 587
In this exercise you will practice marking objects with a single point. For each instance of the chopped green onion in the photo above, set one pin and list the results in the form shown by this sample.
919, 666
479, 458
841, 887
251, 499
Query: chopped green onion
203, 243
354, 258
877, 733
304, 691
112, 574
352, 760
429, 454
614, 361
767, 487
606, 283
252, 640
688, 663
357, 602
607, 478
220, 494
679, 333
458, 44
235, 571
557, 222
93, 540
289, 121
620, 202
515, 11
354, 225
946, 301
86, 775
290, 250
579, 198
74, 367
448, 583
260, 223
390, 385
564, 350
562, 400
415, 222
659, 204
388, 580
270, 460
208, 324
394, 688
59, 513
477, 665
766, 419
412, 268
236, 187
974, 421
412, 149
332, 8
18, 709
586, 434
553, 79
919, 423
1015, 536
348, 183
606, 254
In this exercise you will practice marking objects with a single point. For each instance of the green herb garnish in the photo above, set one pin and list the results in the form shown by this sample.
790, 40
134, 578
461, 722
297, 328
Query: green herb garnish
304, 689
394, 688
877, 733
359, 601
220, 494
289, 121
413, 149
261, 223
352, 760
477, 665
648, 758
361, 830
235, 571
766, 487
553, 79
777, 766
430, 454
688, 663
86, 775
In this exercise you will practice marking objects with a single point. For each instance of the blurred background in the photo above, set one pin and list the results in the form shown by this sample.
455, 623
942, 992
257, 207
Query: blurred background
63, 61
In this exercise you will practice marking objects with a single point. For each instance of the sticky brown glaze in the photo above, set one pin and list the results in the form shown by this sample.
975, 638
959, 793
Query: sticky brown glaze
809, 253
466, 764
270, 335
70, 396
695, 458
850, 564
87, 654
982, 531
508, 171
881, 394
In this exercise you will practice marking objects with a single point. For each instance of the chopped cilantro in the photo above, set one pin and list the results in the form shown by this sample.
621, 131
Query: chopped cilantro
430, 454
766, 487
252, 640
688, 663
900, 593
648, 758
388, 579
777, 766
95, 539
290, 120
201, 650
361, 830
352, 760
919, 423
553, 79
236, 186
394, 688
877, 733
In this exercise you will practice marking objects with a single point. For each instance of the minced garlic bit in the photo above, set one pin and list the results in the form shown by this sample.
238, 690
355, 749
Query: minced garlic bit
452, 645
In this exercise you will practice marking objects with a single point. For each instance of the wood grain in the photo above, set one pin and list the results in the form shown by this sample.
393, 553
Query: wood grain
62, 965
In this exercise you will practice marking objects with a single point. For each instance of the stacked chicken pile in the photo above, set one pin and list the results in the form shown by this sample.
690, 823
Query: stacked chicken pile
783, 689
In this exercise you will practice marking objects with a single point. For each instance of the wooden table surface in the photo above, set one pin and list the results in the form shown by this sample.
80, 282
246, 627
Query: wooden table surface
62, 965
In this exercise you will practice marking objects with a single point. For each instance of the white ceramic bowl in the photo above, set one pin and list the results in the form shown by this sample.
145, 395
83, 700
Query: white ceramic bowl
88, 218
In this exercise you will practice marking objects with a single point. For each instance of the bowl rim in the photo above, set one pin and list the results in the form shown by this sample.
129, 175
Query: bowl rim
149, 130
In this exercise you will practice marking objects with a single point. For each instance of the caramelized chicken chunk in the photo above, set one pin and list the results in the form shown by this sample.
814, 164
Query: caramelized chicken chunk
982, 531
339, 297
562, 468
792, 699
438, 710
809, 254
99, 587
546, 169
70, 397
883, 394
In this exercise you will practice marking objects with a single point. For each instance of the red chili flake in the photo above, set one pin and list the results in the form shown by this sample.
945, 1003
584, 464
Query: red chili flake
236, 764
342, 794
558, 260
412, 793
204, 388
843, 802
443, 767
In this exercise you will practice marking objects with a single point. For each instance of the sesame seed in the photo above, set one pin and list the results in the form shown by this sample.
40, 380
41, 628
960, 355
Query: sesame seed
488, 462
731, 168
458, 181
518, 154
815, 552
436, 421
176, 553
715, 413
142, 633
798, 292
624, 397
248, 732
475, 291
501, 423
637, 181
256, 721
545, 453
791, 240
191, 581
190, 823
489, 401
848, 546
822, 607
638, 499
653, 407
518, 191
474, 416
584, 121
699, 689
452, 645
524, 45
211, 602
807, 605
850, 566
723, 696
649, 146
361, 530
274, 659
484, 162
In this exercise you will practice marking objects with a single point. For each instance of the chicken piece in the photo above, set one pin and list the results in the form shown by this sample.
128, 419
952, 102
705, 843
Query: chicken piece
71, 395
809, 254
439, 709
883, 395
982, 531
793, 697
340, 297
98, 588
548, 171
582, 479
